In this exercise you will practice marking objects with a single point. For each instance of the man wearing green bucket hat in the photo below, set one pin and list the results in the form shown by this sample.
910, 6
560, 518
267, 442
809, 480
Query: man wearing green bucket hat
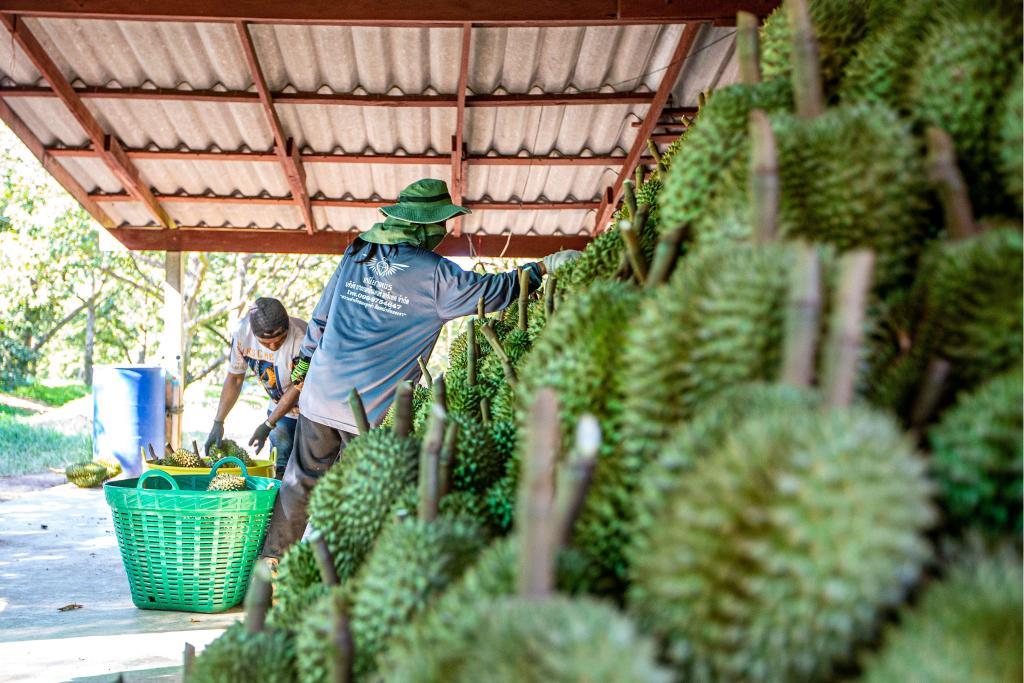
381, 312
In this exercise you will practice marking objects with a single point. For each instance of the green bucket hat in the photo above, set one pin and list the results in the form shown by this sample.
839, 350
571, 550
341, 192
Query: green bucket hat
425, 201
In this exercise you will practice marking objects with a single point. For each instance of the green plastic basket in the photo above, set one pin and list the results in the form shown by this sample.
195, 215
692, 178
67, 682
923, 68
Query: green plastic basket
186, 548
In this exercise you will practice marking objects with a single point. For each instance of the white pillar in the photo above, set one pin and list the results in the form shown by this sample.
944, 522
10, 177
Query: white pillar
172, 342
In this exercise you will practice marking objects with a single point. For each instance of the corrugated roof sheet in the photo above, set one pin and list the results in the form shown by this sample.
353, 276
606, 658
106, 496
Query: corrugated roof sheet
360, 60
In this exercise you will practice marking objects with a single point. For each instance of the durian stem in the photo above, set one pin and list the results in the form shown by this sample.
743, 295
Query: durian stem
631, 238
439, 393
188, 660
536, 498
748, 51
430, 454
665, 255
195, 447
481, 312
549, 295
324, 561
638, 172
506, 365
929, 394
524, 297
624, 271
948, 181
423, 371
257, 598
485, 411
629, 198
403, 409
344, 644
576, 476
764, 179
702, 99
444, 465
355, 402
152, 453
168, 450
803, 319
653, 149
844, 344
471, 353
808, 95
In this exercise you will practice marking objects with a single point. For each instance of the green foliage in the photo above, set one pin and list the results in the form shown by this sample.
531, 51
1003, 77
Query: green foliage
1011, 140
240, 657
51, 395
977, 456
26, 448
967, 627
781, 550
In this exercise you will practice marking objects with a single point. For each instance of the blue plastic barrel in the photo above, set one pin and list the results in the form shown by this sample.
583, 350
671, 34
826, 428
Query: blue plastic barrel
127, 413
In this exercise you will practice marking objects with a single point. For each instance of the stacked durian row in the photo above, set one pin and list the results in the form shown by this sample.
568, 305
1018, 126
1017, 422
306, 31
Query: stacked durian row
767, 427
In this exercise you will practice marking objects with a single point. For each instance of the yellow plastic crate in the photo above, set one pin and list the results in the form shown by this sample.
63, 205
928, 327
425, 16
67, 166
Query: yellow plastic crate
259, 468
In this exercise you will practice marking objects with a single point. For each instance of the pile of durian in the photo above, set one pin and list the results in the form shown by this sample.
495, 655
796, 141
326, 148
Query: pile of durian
767, 428
193, 458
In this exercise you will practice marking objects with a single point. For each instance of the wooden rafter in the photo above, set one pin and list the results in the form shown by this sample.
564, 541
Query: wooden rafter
107, 146
285, 148
458, 145
687, 39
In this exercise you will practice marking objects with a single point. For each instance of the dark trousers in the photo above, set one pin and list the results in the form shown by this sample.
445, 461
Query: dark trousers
316, 448
282, 438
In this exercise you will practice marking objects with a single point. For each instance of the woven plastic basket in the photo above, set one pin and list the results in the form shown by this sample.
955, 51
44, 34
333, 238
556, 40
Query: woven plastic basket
186, 548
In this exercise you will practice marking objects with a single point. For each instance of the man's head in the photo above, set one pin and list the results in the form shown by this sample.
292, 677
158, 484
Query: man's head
269, 322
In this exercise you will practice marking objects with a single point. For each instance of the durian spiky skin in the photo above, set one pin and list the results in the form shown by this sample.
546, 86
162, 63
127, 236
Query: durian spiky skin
477, 463
184, 458
226, 482
601, 258
297, 584
782, 549
964, 70
1011, 141
349, 504
421, 400
839, 25
412, 563
239, 657
976, 451
967, 627
315, 643
464, 504
715, 140
87, 475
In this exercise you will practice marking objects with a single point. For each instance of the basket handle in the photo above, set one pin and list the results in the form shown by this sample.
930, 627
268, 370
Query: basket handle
156, 473
229, 459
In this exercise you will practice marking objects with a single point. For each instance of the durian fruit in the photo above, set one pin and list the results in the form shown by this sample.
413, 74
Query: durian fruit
87, 475
977, 456
840, 25
249, 651
226, 482
230, 449
349, 504
965, 67
297, 586
183, 457
1011, 141
319, 654
966, 627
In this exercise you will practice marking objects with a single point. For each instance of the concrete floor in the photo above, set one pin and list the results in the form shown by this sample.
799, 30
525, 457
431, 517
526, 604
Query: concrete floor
57, 548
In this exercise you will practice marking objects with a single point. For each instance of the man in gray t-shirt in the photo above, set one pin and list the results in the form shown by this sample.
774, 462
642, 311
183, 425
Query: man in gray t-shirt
381, 311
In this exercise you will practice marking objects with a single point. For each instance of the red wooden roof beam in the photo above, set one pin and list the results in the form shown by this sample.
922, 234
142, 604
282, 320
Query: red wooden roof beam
458, 148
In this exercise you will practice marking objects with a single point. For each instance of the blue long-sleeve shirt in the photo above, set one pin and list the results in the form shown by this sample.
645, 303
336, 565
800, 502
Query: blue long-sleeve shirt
381, 311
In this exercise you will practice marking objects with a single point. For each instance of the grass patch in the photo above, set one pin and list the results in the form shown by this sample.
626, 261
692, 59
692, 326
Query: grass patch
16, 412
51, 395
27, 449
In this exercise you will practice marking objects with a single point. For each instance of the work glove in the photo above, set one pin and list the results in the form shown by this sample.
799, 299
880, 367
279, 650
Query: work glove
259, 437
299, 370
216, 434
553, 262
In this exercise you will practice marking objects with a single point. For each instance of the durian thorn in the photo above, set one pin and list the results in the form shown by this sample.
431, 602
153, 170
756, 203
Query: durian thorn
847, 328
481, 313
524, 297
471, 354
430, 453
257, 598
188, 660
929, 394
576, 476
629, 198
803, 319
764, 179
403, 409
485, 411
324, 561
549, 294
444, 465
631, 238
423, 371
355, 401
808, 94
506, 365
535, 578
748, 50
344, 643
439, 393
945, 176
653, 149
665, 255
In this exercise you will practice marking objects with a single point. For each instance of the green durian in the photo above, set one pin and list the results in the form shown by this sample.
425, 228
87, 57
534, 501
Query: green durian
977, 458
230, 449
966, 627
226, 482
87, 475
477, 463
297, 586
350, 502
602, 258
240, 657
781, 550
965, 67
421, 399
1011, 141
315, 639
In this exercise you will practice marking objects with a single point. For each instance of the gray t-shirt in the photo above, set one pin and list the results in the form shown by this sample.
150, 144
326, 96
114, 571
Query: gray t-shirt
382, 310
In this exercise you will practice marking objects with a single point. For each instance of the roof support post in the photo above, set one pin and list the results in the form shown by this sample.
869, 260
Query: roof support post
108, 147
285, 148
172, 343
686, 41
458, 151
